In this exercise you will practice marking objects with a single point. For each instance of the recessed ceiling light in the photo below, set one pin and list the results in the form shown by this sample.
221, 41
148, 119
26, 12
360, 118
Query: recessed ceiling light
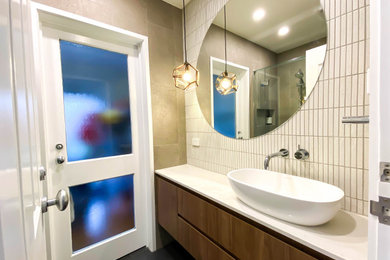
258, 14
283, 31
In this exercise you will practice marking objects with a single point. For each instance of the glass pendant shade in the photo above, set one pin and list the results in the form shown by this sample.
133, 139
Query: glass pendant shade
226, 83
186, 76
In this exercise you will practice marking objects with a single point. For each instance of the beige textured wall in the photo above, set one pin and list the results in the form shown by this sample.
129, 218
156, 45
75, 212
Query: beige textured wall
239, 51
162, 23
338, 153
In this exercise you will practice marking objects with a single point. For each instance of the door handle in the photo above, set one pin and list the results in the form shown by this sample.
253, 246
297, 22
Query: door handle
61, 201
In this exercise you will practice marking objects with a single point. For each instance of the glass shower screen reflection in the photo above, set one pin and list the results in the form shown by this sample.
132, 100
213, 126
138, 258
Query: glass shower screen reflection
96, 102
101, 209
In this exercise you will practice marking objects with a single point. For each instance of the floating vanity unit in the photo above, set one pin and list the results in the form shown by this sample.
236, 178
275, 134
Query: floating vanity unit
202, 212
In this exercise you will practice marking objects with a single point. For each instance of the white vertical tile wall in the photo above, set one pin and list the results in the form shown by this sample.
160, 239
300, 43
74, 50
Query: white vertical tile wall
338, 153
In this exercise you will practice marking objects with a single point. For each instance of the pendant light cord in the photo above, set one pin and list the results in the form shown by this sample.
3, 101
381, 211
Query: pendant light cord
185, 31
224, 14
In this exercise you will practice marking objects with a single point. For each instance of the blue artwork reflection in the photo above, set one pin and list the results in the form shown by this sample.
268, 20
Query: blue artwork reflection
101, 210
96, 102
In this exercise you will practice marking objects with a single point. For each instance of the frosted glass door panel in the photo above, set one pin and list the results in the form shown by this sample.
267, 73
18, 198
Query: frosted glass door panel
101, 209
96, 102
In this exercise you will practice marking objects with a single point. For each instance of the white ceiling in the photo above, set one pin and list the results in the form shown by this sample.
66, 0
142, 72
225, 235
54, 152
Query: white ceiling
177, 3
304, 17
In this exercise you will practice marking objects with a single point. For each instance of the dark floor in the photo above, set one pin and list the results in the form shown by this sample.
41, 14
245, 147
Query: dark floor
173, 251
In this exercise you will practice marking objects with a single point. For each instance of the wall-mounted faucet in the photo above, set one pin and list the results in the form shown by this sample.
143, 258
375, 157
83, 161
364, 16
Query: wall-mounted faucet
281, 153
301, 154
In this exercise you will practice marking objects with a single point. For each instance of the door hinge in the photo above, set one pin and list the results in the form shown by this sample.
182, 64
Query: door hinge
381, 209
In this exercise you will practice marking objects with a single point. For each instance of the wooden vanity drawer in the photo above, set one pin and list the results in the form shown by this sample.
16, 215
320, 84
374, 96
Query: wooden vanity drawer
198, 245
209, 219
166, 198
233, 234
253, 243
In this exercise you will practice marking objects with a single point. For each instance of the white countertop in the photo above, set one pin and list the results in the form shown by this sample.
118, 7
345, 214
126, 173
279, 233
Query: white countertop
344, 237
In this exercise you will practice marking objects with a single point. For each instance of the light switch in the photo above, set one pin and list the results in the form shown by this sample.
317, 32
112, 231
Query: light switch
196, 141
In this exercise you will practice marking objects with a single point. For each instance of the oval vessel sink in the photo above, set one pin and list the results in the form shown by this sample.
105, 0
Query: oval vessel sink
294, 199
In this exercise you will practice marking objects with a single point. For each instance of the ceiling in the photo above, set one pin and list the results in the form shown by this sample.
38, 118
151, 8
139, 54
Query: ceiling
177, 3
304, 17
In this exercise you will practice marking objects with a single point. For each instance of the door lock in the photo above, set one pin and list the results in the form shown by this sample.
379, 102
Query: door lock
42, 173
385, 171
61, 201
60, 159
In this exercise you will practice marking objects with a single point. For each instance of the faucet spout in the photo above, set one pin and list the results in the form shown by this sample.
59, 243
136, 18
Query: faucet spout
281, 153
266, 162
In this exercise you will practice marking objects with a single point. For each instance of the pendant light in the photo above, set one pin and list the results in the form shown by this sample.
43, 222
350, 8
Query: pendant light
185, 76
226, 82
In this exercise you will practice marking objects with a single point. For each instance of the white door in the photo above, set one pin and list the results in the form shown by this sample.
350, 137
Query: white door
379, 233
22, 234
93, 145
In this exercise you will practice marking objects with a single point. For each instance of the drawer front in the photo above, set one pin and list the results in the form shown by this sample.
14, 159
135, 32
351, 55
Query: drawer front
252, 243
233, 234
212, 221
167, 206
198, 245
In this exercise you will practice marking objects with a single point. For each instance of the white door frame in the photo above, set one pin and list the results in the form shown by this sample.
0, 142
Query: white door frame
242, 95
379, 78
65, 21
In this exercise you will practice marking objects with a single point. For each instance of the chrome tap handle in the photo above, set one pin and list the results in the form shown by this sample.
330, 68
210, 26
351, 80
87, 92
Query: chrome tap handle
301, 154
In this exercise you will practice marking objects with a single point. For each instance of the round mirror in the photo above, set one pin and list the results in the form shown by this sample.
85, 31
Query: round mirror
276, 50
